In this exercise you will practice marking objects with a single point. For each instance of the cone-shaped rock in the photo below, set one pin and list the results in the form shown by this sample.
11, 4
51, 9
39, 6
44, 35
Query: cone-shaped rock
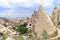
42, 22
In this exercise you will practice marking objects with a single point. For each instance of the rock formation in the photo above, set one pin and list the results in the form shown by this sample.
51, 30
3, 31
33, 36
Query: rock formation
56, 16
5, 21
6, 27
7, 30
40, 21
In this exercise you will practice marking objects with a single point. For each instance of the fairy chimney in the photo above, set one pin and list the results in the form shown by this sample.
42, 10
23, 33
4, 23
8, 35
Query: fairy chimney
42, 22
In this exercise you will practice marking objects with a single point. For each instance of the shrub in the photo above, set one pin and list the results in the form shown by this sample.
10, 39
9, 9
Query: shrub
21, 28
44, 34
58, 38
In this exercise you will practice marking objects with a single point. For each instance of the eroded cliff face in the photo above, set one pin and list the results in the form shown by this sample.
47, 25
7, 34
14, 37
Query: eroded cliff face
6, 27
41, 21
56, 16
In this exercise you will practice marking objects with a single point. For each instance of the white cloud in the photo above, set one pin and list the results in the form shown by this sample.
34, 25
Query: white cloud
26, 2
23, 3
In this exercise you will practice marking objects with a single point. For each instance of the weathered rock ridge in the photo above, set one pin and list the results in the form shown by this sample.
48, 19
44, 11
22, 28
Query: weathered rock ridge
40, 21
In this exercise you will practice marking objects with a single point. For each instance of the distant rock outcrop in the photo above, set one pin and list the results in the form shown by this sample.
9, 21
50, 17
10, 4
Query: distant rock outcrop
7, 30
2, 20
6, 27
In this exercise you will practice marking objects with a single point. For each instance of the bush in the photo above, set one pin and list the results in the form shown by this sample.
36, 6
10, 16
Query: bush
21, 28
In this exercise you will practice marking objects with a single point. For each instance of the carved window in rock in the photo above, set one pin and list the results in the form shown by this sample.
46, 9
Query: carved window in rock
30, 25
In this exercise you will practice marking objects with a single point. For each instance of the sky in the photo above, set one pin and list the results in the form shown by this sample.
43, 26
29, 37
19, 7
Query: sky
25, 8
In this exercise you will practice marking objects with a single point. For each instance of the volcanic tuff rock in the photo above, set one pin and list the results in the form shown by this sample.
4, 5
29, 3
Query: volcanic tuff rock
2, 20
56, 16
5, 27
9, 21
40, 21
7, 30
5, 21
